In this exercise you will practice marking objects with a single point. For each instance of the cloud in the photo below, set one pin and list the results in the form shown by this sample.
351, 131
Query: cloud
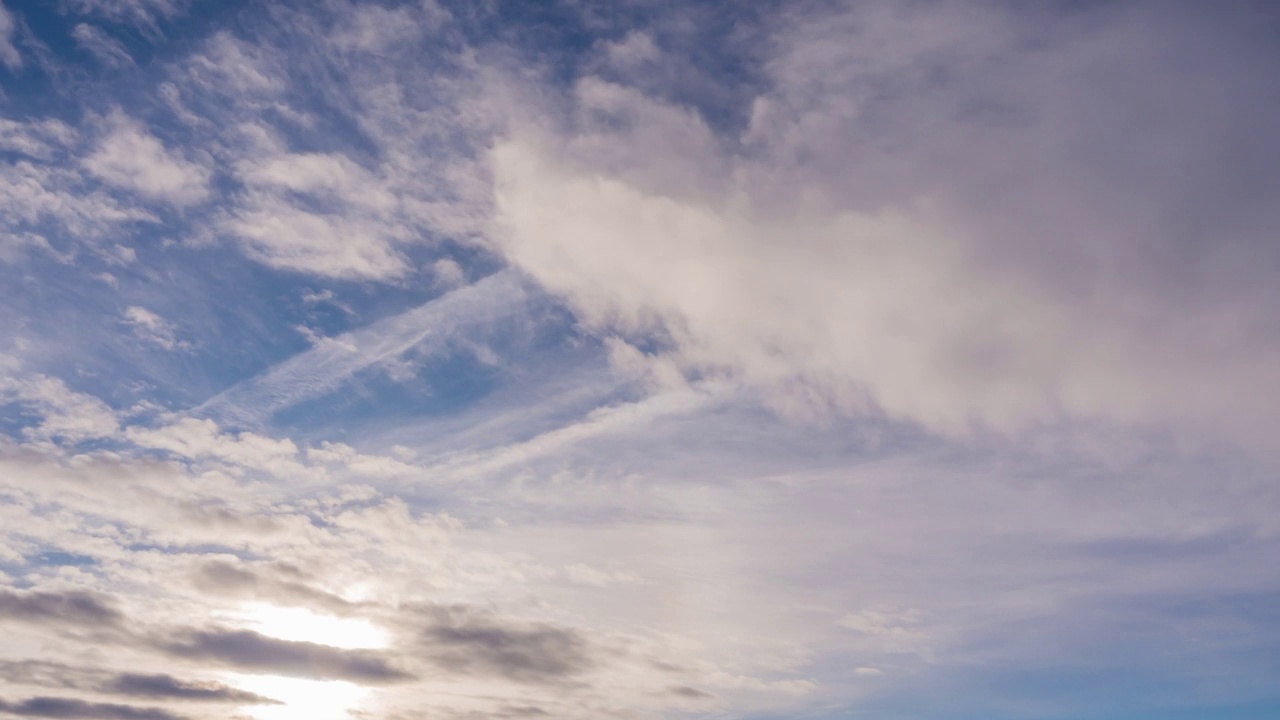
104, 48
72, 709
247, 650
377, 29
282, 585
167, 687
57, 608
64, 413
145, 15
194, 438
153, 328
691, 692
9, 54
226, 64
879, 217
288, 237
430, 327
129, 157
45, 198
156, 686
464, 641
854, 253
35, 138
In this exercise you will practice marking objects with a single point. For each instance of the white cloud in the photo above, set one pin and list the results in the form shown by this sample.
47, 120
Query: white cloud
143, 14
31, 194
448, 273
104, 48
196, 439
633, 51
9, 54
228, 65
356, 237
154, 329
172, 97
430, 327
38, 139
64, 414
371, 28
282, 235
855, 262
327, 176
129, 157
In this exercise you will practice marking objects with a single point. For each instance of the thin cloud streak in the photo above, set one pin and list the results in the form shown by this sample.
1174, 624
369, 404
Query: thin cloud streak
431, 327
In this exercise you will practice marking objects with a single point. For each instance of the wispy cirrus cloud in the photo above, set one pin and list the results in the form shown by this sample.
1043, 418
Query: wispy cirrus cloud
9, 54
431, 327
106, 49
145, 15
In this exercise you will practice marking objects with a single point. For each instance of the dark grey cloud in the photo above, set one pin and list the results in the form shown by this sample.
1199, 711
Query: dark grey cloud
465, 641
521, 711
505, 712
162, 686
249, 650
56, 707
74, 607
692, 693
156, 686
276, 582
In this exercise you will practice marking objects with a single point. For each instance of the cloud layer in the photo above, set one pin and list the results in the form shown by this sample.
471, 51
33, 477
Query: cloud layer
466, 361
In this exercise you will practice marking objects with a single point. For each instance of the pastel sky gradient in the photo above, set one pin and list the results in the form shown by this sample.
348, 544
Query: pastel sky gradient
637, 360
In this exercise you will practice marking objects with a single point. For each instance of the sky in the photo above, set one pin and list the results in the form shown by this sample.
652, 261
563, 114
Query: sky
477, 360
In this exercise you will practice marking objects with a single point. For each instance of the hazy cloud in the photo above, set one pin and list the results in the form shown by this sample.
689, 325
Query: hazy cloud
146, 15
770, 359
55, 707
106, 49
167, 687
247, 650
9, 54
429, 327
465, 641
72, 607
224, 578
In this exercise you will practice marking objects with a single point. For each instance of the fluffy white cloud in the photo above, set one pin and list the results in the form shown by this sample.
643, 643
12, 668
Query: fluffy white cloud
936, 254
64, 414
45, 200
130, 157
153, 328
288, 237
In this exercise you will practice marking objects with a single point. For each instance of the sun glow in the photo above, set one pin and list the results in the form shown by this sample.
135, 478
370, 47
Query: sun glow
301, 625
301, 699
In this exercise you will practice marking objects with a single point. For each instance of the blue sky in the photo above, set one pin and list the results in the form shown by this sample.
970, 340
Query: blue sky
639, 360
